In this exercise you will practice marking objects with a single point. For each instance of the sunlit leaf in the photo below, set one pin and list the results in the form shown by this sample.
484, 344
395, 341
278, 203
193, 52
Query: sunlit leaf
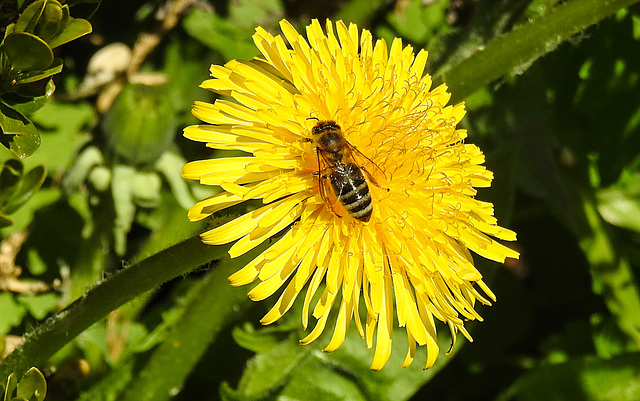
18, 133
32, 384
75, 28
12, 312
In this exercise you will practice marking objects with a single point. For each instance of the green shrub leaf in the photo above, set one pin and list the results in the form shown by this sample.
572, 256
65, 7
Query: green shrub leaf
20, 135
26, 51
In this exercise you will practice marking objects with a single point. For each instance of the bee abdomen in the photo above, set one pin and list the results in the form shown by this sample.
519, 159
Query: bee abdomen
352, 191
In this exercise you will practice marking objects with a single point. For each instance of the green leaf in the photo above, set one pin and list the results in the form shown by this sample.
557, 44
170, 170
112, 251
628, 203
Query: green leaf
39, 75
581, 379
64, 125
9, 179
32, 383
219, 34
29, 17
211, 306
12, 312
620, 204
29, 105
418, 21
267, 372
29, 185
76, 27
49, 21
5, 221
12, 384
19, 134
26, 51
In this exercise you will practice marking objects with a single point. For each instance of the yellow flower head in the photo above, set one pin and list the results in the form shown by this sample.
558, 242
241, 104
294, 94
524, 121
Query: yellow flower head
335, 124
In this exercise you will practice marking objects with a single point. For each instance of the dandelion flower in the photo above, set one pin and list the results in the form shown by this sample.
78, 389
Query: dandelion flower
410, 261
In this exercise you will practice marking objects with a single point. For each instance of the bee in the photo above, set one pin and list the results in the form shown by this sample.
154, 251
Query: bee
342, 169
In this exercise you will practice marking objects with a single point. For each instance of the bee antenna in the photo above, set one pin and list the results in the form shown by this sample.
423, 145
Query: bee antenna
313, 118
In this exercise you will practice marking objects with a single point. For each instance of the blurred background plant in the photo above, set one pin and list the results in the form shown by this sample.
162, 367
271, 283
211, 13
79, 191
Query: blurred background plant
90, 183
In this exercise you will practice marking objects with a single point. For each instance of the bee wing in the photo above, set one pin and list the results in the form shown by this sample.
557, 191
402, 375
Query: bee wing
374, 173
326, 191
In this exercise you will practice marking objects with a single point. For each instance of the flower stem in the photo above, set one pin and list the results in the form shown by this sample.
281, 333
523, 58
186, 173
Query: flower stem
109, 294
518, 49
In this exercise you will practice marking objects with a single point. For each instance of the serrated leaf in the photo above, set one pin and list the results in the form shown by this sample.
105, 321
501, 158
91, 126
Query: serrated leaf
26, 51
268, 371
32, 383
76, 27
19, 134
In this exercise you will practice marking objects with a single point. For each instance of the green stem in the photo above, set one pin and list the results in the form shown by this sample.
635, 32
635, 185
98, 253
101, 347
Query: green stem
522, 46
111, 293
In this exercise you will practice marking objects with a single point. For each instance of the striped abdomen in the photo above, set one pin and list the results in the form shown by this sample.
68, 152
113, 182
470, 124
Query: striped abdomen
350, 187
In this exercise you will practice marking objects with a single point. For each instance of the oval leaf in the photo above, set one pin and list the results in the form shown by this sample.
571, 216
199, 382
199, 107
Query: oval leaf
33, 76
28, 19
75, 28
32, 383
27, 52
48, 25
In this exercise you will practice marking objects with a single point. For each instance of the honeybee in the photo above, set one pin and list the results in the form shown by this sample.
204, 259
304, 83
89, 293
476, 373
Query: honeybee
342, 169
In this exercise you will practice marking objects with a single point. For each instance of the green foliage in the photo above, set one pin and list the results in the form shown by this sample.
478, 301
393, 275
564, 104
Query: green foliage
27, 64
551, 100
31, 387
16, 187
